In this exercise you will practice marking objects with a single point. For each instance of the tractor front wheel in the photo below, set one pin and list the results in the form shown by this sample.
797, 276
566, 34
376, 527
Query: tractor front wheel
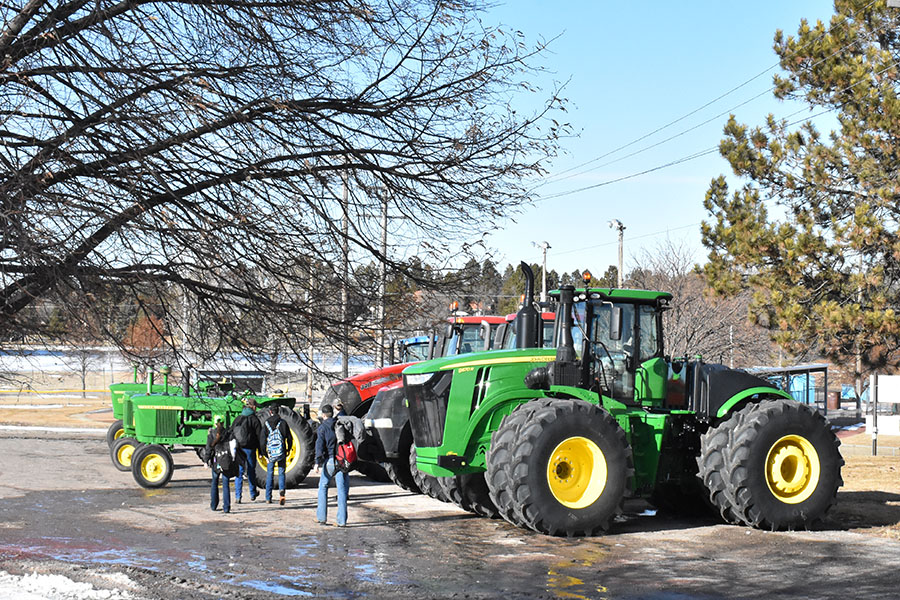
152, 466
429, 484
398, 469
121, 452
115, 431
567, 469
470, 492
783, 468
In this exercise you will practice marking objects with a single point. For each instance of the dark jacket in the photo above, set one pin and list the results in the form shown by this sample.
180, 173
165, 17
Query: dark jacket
273, 422
254, 430
326, 441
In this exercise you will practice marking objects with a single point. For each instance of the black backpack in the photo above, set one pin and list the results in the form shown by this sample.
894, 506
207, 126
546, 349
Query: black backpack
242, 432
225, 457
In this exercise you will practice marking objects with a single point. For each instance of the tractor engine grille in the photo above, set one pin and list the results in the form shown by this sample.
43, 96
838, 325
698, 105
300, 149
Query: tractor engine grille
167, 423
428, 408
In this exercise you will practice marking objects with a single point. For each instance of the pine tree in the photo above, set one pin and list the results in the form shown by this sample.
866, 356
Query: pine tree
814, 231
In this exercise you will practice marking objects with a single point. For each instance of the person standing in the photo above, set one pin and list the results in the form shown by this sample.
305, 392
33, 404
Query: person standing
217, 437
247, 432
326, 468
278, 444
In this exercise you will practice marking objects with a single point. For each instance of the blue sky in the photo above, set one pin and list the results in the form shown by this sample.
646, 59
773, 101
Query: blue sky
633, 68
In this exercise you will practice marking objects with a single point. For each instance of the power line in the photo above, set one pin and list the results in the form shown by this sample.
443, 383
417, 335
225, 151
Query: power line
556, 178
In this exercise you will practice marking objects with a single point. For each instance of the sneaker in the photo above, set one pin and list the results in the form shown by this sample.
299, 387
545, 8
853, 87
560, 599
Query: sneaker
269, 501
321, 522
341, 524
238, 500
281, 501
253, 497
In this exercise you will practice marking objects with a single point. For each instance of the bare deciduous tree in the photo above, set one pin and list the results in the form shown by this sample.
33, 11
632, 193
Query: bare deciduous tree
699, 323
198, 153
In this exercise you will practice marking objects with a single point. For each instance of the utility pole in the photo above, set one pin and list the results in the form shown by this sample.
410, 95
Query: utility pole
383, 284
345, 274
617, 224
544, 246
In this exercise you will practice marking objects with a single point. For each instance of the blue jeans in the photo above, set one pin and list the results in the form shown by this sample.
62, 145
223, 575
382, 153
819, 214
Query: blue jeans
249, 467
270, 474
342, 480
214, 492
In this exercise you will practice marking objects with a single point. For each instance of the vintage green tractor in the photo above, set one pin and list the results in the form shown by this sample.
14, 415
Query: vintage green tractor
156, 420
555, 440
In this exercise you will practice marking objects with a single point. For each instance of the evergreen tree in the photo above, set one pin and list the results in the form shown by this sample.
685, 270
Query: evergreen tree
814, 231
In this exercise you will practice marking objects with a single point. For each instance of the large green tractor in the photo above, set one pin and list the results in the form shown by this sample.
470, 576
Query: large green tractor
555, 440
155, 419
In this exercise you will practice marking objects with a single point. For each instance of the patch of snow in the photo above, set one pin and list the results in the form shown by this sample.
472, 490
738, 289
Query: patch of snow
53, 587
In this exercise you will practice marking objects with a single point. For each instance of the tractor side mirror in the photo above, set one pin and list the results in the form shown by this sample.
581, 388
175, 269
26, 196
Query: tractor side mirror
484, 333
615, 323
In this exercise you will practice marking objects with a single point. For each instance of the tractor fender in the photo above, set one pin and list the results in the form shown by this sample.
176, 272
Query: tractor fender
494, 408
740, 398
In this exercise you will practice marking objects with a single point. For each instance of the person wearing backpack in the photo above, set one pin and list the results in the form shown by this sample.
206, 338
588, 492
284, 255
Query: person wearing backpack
247, 432
327, 469
221, 451
278, 444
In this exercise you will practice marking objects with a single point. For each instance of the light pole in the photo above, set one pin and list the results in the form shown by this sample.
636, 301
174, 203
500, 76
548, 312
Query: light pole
544, 246
617, 224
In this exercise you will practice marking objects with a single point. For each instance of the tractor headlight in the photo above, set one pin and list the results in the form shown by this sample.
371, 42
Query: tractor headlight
418, 378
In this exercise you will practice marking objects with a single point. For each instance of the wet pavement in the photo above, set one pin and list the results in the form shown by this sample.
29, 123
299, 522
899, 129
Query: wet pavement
64, 508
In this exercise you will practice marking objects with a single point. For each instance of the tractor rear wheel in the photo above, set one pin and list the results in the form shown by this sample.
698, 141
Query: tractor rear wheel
152, 466
301, 455
429, 484
122, 451
568, 469
398, 469
115, 431
783, 467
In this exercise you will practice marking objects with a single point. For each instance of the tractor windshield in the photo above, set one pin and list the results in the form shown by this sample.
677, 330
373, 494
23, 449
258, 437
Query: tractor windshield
615, 357
465, 338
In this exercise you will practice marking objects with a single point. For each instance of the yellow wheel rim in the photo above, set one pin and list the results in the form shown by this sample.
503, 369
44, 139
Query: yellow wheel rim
792, 469
577, 472
124, 455
119, 433
153, 468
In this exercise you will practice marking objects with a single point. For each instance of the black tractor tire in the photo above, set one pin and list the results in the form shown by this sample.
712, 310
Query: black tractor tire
115, 431
373, 471
568, 470
301, 455
152, 466
398, 469
470, 492
714, 444
503, 440
429, 484
122, 451
783, 467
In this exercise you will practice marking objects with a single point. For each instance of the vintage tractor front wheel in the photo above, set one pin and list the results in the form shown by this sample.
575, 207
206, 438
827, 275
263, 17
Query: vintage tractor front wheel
783, 468
568, 469
301, 455
115, 431
152, 466
121, 452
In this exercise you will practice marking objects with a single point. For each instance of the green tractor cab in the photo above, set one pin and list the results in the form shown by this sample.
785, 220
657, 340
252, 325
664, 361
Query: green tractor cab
555, 440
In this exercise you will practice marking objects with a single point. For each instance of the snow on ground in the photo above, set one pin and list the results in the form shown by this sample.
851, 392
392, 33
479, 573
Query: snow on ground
53, 587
